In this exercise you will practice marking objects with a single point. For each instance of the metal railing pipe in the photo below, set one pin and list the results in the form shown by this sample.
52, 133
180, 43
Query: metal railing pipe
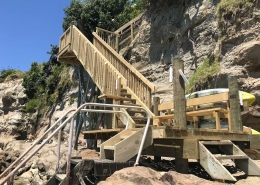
69, 151
108, 111
58, 150
37, 149
146, 127
71, 135
34, 143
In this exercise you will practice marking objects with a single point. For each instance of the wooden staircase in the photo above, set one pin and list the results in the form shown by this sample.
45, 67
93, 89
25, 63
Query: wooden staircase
117, 80
124, 145
114, 76
214, 153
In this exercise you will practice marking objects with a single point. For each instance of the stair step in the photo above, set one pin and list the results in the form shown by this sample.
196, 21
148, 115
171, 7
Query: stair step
123, 89
125, 136
140, 125
60, 177
135, 111
125, 94
127, 99
131, 104
231, 157
76, 161
216, 142
138, 118
109, 147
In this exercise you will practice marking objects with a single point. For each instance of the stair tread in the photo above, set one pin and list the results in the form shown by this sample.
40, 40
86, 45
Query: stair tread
217, 142
76, 161
125, 94
115, 97
231, 157
130, 104
125, 136
109, 147
138, 117
135, 110
60, 177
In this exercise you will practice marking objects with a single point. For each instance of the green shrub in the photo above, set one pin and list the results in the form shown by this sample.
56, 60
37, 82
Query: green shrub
32, 105
10, 74
203, 73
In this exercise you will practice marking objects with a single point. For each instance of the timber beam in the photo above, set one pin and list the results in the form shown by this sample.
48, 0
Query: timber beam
200, 134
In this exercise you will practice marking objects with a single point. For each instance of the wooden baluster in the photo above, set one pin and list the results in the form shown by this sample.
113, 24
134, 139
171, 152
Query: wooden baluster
132, 32
117, 44
94, 66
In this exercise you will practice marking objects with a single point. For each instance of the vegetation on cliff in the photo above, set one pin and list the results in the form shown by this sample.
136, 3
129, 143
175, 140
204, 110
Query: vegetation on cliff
10, 74
44, 84
203, 75
106, 14
231, 14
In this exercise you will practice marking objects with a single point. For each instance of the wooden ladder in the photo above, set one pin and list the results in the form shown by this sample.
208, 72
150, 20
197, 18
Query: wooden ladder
214, 153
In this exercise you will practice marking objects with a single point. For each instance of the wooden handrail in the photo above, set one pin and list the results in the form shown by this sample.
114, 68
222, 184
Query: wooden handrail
129, 23
135, 80
106, 66
121, 37
103, 73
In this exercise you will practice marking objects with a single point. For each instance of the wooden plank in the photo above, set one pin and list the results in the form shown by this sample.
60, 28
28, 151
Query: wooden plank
123, 118
122, 60
247, 165
255, 141
220, 157
165, 106
111, 142
222, 142
194, 113
181, 148
217, 118
197, 101
129, 147
101, 131
214, 168
204, 135
115, 97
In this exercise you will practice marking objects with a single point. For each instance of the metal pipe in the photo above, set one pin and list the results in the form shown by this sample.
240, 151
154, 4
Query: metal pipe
36, 142
69, 151
58, 150
37, 149
108, 111
64, 123
145, 130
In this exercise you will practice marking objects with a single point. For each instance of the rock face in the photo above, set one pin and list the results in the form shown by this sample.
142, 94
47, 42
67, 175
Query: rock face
146, 176
12, 100
190, 30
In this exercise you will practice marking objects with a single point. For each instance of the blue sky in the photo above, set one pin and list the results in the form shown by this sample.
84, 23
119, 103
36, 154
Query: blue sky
28, 27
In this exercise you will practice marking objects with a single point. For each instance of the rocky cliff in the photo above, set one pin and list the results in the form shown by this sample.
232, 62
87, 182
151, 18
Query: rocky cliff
196, 30
223, 33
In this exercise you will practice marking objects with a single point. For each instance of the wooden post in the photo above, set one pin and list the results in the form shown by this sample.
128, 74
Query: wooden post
235, 112
156, 102
108, 121
179, 95
179, 108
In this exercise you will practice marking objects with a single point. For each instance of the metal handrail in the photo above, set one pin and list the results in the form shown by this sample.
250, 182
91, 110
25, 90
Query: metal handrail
71, 134
36, 142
